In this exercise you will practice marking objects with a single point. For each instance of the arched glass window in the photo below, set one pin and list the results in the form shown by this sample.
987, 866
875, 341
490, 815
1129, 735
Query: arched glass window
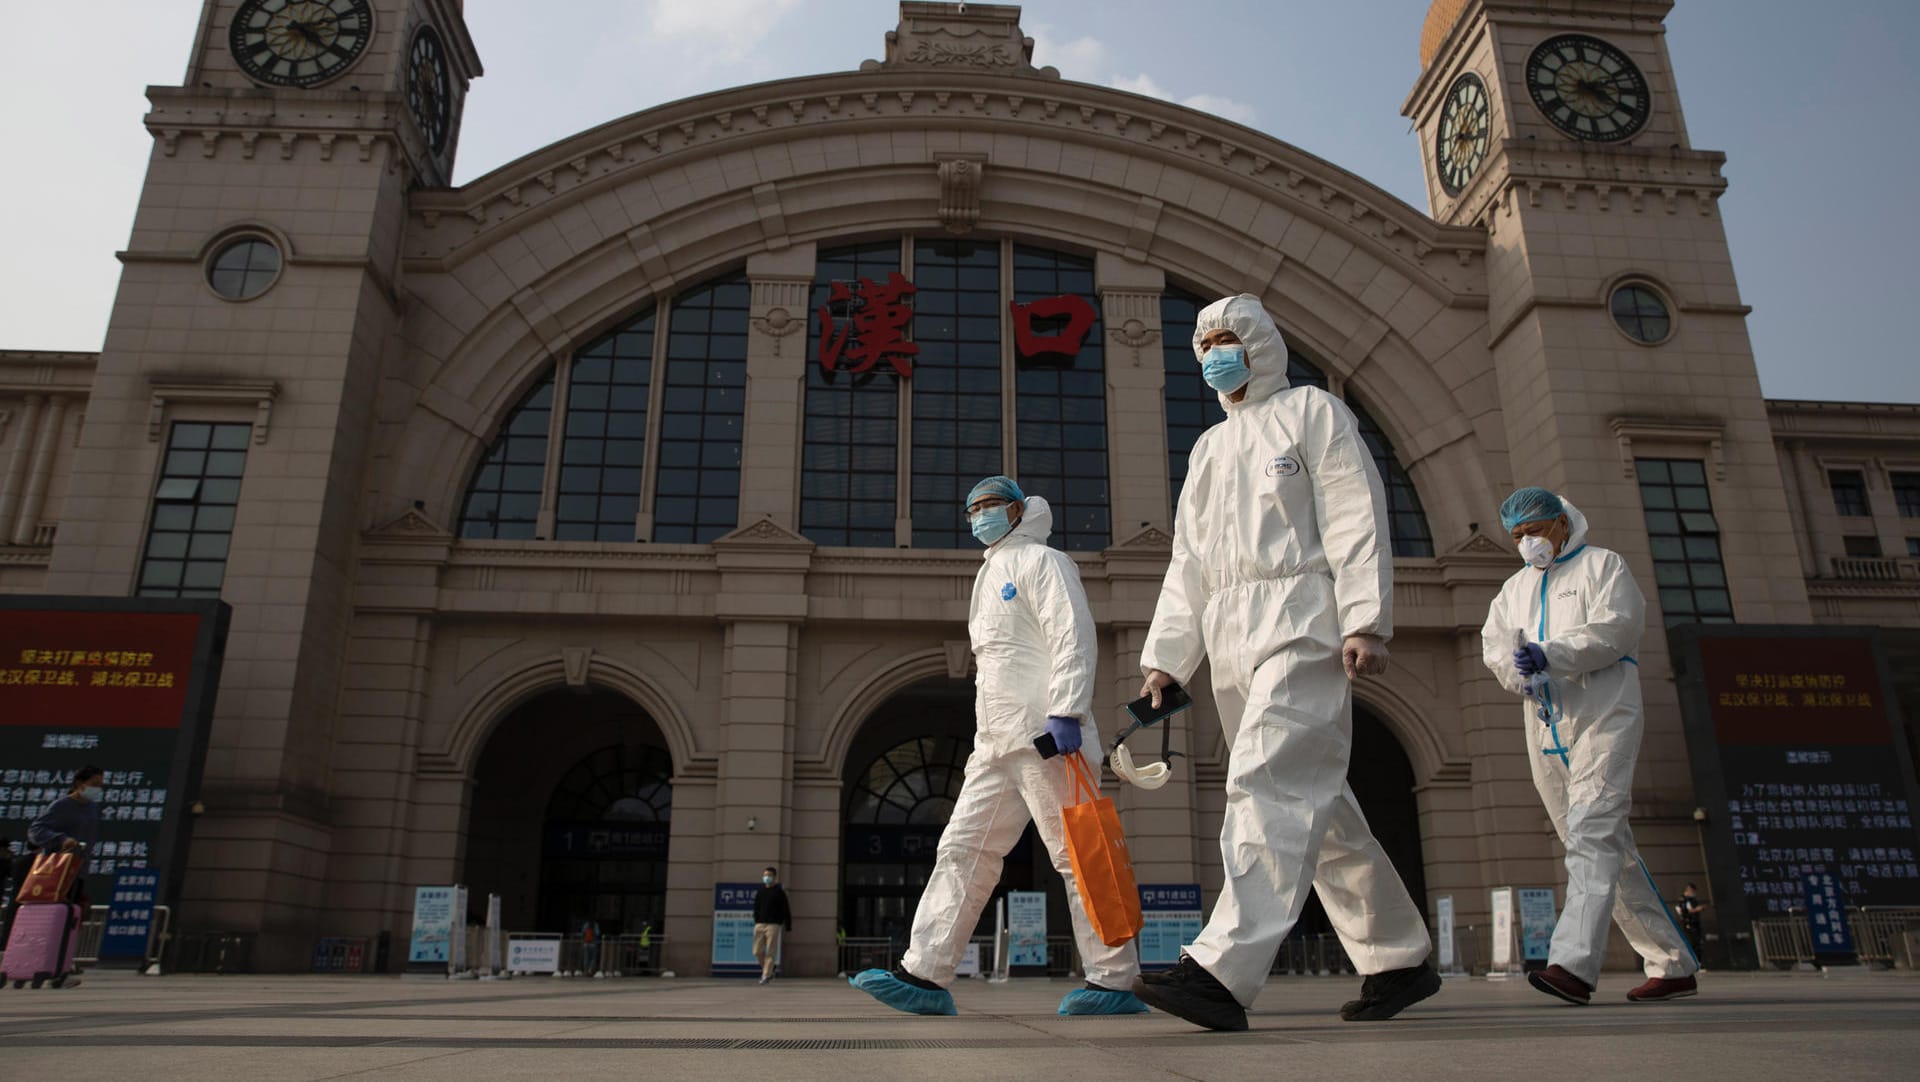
915, 782
1409, 521
956, 383
1060, 402
1192, 407
605, 442
608, 453
504, 499
849, 459
698, 498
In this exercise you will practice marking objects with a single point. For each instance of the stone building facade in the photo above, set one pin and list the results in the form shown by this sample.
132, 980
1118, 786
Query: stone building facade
561, 566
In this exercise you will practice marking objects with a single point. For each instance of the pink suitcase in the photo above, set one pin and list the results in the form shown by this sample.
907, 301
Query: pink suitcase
40, 946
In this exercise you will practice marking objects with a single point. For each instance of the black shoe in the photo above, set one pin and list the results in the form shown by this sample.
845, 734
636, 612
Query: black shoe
1188, 991
1384, 995
900, 973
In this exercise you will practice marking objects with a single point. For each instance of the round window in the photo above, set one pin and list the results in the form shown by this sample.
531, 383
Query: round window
243, 269
1642, 313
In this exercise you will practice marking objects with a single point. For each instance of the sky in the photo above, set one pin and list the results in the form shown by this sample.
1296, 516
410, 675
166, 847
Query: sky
1818, 127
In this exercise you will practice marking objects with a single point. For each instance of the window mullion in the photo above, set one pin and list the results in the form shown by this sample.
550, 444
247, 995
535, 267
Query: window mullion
656, 406
1009, 385
543, 526
903, 431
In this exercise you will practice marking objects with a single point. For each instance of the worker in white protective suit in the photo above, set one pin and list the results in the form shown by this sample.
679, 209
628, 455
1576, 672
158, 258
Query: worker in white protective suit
1563, 632
1282, 575
1033, 646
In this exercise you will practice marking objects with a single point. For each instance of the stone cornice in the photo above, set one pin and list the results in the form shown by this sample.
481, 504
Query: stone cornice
59, 372
933, 101
259, 121
1572, 176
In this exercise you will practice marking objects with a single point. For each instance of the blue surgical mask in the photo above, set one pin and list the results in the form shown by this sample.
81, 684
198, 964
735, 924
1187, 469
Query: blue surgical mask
766, 880
1225, 368
991, 525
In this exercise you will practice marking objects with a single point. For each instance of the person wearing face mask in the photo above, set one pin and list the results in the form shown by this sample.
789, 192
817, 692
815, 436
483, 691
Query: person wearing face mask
771, 917
1033, 644
1563, 631
1282, 576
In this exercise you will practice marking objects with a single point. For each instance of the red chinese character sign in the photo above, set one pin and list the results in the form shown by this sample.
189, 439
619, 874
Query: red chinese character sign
874, 329
1062, 345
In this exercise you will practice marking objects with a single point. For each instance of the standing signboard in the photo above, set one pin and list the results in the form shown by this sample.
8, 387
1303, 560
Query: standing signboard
1800, 766
733, 929
432, 941
1171, 919
1502, 899
136, 892
1536, 926
1827, 922
1443, 921
1027, 925
126, 684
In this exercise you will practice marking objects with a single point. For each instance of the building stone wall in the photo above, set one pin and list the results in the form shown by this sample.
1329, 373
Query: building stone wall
374, 654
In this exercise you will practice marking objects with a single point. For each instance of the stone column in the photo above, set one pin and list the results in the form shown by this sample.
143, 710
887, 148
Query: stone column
40, 474
18, 455
776, 384
762, 601
1815, 512
1136, 389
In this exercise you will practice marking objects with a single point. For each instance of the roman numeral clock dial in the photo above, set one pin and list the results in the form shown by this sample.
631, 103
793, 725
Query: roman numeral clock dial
299, 42
1587, 88
1460, 143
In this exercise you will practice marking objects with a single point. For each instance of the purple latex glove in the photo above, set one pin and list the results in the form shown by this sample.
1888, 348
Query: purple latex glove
1065, 733
1530, 659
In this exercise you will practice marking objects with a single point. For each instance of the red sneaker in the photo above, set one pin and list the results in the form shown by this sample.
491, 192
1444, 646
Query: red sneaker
1659, 988
1557, 982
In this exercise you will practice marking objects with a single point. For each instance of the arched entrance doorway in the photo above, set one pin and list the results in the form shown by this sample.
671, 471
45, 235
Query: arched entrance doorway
1382, 779
571, 809
903, 774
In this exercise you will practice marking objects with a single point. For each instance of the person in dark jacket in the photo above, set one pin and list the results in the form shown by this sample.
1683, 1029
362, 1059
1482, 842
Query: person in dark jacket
770, 916
71, 822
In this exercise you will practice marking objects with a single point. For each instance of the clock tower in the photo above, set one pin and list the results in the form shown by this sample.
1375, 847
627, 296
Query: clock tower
261, 294
1616, 327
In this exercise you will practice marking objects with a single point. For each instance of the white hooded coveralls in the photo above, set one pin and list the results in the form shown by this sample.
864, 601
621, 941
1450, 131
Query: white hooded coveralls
1034, 647
1280, 551
1589, 630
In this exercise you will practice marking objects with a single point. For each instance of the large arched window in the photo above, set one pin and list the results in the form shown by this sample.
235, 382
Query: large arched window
1192, 407
850, 439
617, 436
503, 500
974, 405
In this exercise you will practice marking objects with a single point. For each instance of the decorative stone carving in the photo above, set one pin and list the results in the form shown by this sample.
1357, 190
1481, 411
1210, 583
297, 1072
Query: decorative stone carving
574, 661
778, 324
960, 176
959, 658
257, 393
415, 523
981, 37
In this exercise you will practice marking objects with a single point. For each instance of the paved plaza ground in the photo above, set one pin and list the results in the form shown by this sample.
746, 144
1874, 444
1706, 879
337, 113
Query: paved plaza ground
152, 1029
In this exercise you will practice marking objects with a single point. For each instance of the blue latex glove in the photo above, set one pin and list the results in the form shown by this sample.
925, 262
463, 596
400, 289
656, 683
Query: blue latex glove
1065, 733
1530, 659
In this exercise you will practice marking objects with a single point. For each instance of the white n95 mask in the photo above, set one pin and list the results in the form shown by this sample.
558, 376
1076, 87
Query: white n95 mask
1151, 776
1536, 551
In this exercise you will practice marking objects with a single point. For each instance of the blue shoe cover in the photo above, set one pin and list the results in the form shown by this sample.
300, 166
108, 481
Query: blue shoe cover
902, 996
1101, 1001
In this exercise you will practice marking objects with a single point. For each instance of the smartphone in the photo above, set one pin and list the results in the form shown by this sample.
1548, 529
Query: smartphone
1045, 745
1173, 699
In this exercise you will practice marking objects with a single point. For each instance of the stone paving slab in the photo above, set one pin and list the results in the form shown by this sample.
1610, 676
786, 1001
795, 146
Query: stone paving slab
1750, 1027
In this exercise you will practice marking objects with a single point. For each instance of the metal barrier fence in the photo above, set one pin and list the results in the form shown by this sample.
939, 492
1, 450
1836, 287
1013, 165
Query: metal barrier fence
870, 952
615, 956
1783, 942
1311, 955
93, 929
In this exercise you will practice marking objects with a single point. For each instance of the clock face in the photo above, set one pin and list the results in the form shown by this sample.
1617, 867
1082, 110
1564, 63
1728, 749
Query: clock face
299, 42
1587, 88
1460, 143
428, 93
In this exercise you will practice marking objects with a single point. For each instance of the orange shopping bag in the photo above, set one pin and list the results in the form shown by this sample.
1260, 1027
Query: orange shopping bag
1102, 868
51, 878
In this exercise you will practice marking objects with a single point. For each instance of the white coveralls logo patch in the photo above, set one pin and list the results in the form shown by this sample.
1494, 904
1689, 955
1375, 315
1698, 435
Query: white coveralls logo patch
1008, 593
1282, 466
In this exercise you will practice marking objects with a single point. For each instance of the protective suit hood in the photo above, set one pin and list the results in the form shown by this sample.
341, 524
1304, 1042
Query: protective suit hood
1036, 523
1576, 527
1266, 349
